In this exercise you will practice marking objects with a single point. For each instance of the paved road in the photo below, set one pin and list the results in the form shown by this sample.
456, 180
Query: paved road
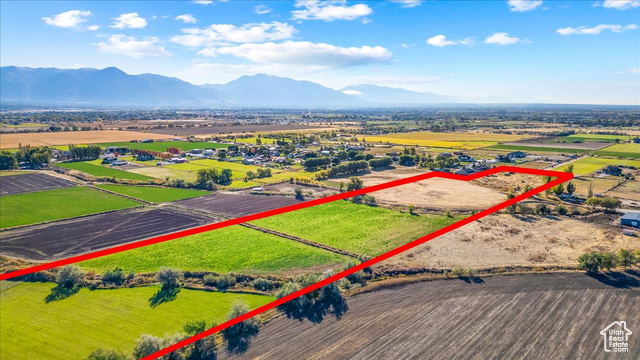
553, 316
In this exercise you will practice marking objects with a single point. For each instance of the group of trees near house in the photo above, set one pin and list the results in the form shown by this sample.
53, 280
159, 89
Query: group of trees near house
380, 162
90, 152
215, 176
316, 162
344, 169
593, 262
260, 173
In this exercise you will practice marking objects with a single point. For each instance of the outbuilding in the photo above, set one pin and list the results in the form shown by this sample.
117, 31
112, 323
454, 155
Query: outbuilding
631, 218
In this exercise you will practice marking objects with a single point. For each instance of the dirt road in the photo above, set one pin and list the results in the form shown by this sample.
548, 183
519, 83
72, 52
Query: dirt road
552, 316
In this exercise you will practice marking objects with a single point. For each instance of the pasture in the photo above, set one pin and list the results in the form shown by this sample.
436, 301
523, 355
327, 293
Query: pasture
102, 171
355, 228
74, 327
232, 249
164, 172
538, 149
33, 208
630, 150
588, 165
597, 137
154, 194
458, 140
629, 190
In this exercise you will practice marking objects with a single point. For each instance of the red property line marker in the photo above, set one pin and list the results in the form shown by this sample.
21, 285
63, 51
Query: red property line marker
560, 178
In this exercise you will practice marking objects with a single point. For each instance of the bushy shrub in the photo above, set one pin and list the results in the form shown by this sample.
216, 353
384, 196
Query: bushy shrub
263, 284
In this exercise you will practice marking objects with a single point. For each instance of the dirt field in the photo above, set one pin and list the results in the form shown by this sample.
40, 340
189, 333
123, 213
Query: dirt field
435, 193
629, 190
237, 205
12, 141
23, 183
500, 240
76, 236
553, 316
231, 129
289, 189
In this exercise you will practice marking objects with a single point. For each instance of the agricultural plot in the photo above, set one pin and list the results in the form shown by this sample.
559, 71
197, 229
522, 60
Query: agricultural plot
360, 229
11, 173
597, 137
74, 327
164, 145
538, 148
631, 151
77, 236
629, 190
562, 145
233, 129
163, 172
12, 141
505, 317
588, 165
598, 185
154, 194
30, 182
102, 171
237, 205
33, 208
444, 140
231, 249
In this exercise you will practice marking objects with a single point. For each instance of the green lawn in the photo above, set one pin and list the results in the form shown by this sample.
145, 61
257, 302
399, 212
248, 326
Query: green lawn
588, 165
595, 137
356, 228
236, 248
154, 194
32, 208
72, 328
163, 145
630, 150
538, 149
97, 170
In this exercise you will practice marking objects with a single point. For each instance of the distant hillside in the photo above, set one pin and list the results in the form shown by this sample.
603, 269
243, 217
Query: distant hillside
384, 95
113, 87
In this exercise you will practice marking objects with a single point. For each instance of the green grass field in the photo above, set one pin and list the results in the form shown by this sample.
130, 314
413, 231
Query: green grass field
538, 149
236, 248
356, 228
595, 137
631, 151
33, 208
154, 194
588, 165
164, 145
72, 328
162, 172
9, 173
97, 170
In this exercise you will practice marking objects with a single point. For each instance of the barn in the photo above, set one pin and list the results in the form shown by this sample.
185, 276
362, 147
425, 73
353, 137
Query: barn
631, 218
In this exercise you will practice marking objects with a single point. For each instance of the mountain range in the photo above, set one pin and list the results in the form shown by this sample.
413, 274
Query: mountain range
113, 87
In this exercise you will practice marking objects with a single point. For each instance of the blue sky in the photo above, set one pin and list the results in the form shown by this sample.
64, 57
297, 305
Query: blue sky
494, 51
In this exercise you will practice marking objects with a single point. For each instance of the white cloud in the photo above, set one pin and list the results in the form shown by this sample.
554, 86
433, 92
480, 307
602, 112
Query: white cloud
503, 38
202, 2
262, 9
304, 53
187, 18
621, 4
93, 27
408, 3
329, 10
583, 30
635, 70
130, 46
130, 20
352, 92
441, 41
218, 34
68, 19
523, 5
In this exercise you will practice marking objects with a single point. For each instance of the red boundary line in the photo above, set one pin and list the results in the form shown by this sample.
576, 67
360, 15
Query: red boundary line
560, 178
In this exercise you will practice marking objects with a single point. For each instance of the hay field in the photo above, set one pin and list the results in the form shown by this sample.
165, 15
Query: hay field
12, 141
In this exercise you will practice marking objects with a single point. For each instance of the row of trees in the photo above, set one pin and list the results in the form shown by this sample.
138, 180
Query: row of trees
316, 162
346, 168
260, 173
594, 261
90, 152
207, 177
380, 162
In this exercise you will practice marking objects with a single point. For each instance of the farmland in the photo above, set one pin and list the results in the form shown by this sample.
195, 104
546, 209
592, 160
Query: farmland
12, 141
631, 151
231, 129
30, 182
236, 205
77, 236
446, 140
597, 137
76, 326
103, 171
503, 317
154, 194
32, 208
235, 248
355, 228
542, 149
588, 165
164, 145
